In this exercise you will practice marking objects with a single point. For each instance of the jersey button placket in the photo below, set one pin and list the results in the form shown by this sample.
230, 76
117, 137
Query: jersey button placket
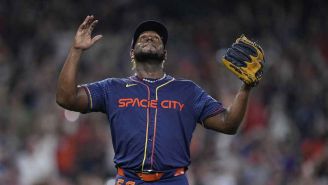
151, 126
150, 140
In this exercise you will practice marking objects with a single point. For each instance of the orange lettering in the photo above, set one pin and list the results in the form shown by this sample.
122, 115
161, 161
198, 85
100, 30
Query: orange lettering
163, 104
130, 183
174, 104
181, 105
144, 103
121, 103
136, 100
170, 103
128, 101
153, 104
141, 102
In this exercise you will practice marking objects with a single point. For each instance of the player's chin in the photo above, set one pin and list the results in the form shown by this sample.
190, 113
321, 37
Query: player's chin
150, 55
151, 51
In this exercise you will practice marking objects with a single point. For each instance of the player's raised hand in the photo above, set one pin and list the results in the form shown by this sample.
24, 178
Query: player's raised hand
83, 38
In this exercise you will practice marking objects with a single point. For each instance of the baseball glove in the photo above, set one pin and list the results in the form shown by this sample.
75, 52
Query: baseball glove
245, 59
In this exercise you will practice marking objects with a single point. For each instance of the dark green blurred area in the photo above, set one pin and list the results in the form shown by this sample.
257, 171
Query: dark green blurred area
284, 138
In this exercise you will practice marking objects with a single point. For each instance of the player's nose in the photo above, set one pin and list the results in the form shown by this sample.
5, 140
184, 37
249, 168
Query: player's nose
150, 38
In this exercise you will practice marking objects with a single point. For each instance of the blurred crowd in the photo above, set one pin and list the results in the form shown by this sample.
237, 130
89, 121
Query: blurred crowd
284, 137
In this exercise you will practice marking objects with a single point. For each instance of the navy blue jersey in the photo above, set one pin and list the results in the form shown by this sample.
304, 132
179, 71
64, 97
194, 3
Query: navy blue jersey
151, 123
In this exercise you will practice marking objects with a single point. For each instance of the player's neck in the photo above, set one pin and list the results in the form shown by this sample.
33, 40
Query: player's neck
149, 70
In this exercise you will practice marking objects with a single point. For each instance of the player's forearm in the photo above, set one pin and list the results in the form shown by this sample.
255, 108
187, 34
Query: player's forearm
235, 113
67, 88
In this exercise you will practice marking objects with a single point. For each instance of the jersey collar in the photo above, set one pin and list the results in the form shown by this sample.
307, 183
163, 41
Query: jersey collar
156, 82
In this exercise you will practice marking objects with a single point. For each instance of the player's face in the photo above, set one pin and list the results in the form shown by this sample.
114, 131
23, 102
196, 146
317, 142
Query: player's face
149, 46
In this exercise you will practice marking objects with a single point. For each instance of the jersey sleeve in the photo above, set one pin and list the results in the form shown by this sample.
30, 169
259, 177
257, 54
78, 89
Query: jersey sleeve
205, 106
97, 95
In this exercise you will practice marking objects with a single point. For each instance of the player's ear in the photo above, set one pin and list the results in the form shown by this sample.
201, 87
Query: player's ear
132, 54
165, 54
133, 62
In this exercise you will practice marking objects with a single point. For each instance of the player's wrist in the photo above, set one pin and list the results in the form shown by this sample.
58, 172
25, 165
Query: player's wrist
246, 87
76, 49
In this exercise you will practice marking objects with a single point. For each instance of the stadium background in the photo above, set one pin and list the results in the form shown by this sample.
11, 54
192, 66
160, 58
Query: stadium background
284, 140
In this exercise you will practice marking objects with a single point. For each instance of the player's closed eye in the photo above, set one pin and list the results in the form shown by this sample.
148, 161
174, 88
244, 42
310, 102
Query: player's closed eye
145, 37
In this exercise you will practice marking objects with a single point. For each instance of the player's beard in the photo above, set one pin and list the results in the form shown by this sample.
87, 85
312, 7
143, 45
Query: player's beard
153, 56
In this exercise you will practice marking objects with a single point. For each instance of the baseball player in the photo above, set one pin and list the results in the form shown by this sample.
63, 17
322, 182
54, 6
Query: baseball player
151, 114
